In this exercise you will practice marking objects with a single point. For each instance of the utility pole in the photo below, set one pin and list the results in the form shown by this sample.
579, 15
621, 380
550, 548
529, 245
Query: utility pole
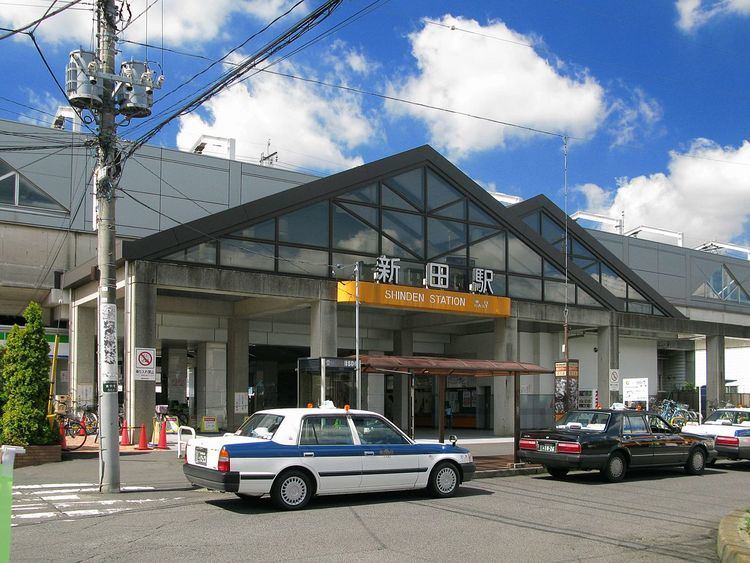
92, 85
106, 179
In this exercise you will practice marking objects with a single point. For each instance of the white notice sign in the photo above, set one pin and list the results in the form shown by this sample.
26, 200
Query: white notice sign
145, 364
635, 389
240, 403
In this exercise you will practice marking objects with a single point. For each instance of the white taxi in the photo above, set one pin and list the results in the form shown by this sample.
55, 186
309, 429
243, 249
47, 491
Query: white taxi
294, 454
730, 429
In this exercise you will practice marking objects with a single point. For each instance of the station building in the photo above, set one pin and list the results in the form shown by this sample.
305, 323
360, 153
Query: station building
264, 276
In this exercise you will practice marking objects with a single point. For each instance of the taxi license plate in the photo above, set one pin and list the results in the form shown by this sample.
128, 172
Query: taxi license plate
200, 456
550, 448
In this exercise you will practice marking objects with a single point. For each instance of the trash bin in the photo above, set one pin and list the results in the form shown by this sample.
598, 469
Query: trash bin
9, 454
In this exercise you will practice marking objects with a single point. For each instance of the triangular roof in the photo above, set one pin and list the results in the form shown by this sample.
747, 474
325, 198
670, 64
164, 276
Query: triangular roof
212, 227
542, 202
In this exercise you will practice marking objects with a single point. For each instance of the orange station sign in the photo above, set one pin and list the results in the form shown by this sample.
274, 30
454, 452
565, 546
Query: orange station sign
423, 299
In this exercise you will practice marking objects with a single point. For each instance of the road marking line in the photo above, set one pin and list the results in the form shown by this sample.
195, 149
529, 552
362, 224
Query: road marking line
35, 515
53, 485
61, 497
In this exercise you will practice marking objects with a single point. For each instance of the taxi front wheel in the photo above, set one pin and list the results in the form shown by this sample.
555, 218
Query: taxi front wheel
444, 480
292, 490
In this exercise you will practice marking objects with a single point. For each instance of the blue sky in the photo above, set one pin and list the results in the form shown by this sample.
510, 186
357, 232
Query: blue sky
654, 93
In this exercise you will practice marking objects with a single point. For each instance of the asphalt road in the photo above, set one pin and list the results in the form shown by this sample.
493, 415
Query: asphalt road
658, 516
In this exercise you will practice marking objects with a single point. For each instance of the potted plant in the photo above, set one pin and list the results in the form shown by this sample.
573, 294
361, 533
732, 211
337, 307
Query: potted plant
24, 370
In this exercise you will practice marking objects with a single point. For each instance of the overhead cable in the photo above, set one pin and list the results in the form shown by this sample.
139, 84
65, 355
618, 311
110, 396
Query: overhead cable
37, 21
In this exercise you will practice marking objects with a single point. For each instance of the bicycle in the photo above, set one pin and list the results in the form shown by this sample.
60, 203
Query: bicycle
86, 413
73, 429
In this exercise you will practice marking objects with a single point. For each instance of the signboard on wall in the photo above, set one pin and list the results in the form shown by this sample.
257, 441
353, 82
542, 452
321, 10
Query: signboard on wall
566, 386
145, 364
635, 389
240, 403
423, 299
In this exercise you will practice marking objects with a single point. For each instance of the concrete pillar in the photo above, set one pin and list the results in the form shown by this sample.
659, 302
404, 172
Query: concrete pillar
403, 345
505, 347
323, 329
140, 332
174, 371
211, 381
238, 371
376, 392
82, 370
715, 375
607, 357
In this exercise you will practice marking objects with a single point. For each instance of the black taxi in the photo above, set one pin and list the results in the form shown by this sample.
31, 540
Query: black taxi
613, 442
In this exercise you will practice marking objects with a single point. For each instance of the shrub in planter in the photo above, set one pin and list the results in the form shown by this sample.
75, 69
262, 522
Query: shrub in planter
25, 373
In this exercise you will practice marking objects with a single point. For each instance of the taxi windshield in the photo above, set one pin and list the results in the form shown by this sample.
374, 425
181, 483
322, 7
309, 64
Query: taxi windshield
590, 421
260, 425
728, 417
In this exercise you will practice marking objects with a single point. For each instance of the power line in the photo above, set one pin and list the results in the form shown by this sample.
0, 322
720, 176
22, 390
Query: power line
19, 148
43, 275
36, 22
454, 28
419, 104
224, 56
57, 82
135, 19
27, 106
347, 21
231, 77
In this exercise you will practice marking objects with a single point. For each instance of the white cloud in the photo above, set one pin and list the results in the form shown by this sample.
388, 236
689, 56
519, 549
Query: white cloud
311, 127
695, 13
483, 76
634, 118
345, 59
45, 102
185, 22
705, 194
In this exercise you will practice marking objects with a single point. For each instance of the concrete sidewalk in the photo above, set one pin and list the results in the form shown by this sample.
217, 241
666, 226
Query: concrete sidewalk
155, 469
162, 470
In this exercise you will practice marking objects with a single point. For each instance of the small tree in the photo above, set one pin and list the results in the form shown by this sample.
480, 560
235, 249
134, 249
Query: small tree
25, 372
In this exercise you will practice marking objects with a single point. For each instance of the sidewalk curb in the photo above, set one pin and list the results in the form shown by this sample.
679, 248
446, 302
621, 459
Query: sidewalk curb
492, 473
731, 546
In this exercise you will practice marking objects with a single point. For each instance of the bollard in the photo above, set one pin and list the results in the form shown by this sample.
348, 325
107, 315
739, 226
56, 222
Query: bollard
6, 497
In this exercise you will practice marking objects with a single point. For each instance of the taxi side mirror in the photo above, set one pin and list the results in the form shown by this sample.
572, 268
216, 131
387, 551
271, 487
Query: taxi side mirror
453, 439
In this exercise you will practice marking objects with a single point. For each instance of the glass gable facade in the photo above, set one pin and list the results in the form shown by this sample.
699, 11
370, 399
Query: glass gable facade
582, 256
417, 216
722, 285
17, 191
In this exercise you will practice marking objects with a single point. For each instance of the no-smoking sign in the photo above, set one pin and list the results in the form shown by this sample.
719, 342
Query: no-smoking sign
614, 380
145, 364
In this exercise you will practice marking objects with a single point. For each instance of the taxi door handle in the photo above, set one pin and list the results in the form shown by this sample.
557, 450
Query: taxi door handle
369, 453
309, 454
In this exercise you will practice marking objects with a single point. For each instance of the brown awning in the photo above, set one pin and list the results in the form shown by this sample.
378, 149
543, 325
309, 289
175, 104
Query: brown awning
423, 365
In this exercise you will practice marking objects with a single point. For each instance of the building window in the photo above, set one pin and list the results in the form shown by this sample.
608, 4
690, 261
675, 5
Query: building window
18, 191
308, 225
247, 254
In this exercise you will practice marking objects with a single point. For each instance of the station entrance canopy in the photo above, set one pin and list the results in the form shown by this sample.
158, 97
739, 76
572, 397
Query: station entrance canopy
422, 365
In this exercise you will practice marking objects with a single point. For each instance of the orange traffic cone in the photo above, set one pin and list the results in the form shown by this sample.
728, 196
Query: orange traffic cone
125, 436
162, 445
142, 441
63, 445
